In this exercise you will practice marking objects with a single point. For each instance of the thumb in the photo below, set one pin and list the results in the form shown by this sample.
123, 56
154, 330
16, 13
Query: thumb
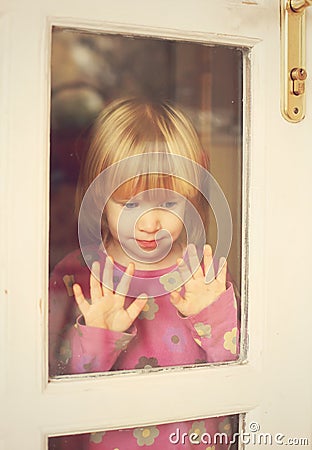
137, 306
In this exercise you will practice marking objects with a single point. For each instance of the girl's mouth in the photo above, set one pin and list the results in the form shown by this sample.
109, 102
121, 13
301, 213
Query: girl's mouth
147, 244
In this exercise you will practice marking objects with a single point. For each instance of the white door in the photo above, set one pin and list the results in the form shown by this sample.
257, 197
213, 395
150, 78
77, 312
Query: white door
272, 387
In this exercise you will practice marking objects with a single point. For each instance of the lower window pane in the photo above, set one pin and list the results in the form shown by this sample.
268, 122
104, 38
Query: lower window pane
215, 433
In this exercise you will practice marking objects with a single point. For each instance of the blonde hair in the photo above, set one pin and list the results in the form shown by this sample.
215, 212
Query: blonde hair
129, 127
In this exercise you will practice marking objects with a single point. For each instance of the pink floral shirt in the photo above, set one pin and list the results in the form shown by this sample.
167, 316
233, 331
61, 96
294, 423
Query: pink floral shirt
159, 337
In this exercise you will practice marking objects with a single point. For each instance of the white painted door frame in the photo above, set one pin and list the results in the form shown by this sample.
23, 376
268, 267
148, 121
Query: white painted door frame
273, 387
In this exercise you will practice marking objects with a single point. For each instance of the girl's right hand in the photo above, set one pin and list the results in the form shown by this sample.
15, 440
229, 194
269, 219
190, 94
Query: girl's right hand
106, 308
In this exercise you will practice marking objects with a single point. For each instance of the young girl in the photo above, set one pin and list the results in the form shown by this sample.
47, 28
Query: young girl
137, 296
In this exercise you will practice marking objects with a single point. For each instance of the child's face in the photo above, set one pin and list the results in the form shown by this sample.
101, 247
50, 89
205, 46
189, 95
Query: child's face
146, 226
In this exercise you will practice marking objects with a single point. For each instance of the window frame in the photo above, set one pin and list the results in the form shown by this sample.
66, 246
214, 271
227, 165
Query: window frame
56, 404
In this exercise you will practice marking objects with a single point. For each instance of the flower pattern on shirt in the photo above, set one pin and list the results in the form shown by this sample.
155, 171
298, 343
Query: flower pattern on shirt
171, 281
69, 280
203, 330
198, 429
230, 339
146, 436
88, 367
122, 343
225, 426
65, 352
97, 437
146, 363
174, 340
149, 310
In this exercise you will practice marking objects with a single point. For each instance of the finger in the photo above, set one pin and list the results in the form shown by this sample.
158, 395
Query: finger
95, 285
82, 303
107, 279
221, 276
196, 269
208, 264
184, 270
175, 298
136, 306
123, 286
178, 302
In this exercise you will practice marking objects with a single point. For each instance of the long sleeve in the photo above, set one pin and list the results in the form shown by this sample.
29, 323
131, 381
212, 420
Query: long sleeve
74, 347
96, 349
62, 315
215, 328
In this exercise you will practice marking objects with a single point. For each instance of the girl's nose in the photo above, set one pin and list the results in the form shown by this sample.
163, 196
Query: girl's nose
149, 222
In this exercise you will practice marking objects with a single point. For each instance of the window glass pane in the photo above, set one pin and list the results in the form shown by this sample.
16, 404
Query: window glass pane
216, 433
113, 99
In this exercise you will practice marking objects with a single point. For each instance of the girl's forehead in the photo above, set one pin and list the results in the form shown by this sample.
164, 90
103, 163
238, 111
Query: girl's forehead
147, 195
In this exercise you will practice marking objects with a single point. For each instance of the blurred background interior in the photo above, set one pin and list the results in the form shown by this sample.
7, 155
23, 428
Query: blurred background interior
89, 70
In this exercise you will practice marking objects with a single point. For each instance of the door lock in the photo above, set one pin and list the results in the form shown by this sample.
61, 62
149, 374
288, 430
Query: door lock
298, 76
293, 50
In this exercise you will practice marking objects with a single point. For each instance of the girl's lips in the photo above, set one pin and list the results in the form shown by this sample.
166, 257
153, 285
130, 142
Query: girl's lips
147, 244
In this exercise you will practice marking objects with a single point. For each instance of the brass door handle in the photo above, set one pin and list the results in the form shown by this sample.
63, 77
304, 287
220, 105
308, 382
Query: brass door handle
300, 5
293, 70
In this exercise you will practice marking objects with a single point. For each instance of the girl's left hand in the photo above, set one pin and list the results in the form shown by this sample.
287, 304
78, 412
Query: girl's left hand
198, 293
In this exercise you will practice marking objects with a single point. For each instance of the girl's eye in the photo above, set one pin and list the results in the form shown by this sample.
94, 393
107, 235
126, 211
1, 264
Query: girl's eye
169, 205
131, 205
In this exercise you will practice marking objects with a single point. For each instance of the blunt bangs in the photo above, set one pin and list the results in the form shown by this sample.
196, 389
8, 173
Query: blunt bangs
150, 182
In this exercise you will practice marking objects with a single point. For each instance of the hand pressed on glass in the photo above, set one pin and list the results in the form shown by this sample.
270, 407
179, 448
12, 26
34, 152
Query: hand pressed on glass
106, 309
198, 292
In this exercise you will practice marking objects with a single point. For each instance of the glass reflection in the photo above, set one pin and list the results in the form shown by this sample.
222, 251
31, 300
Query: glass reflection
158, 311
